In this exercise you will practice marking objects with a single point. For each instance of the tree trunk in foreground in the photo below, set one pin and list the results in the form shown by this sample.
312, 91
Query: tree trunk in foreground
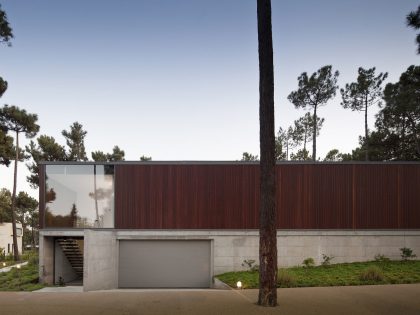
15, 244
268, 233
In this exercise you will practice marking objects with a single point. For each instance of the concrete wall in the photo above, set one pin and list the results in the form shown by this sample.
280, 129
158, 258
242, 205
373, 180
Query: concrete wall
100, 266
231, 247
63, 267
6, 237
46, 252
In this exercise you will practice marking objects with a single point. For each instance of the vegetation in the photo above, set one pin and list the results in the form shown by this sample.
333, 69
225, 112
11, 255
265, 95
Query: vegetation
392, 272
313, 92
250, 264
116, 155
360, 95
246, 157
326, 260
18, 121
23, 279
413, 21
308, 262
407, 253
372, 274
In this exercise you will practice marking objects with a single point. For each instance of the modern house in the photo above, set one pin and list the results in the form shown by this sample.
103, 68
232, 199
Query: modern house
6, 238
177, 224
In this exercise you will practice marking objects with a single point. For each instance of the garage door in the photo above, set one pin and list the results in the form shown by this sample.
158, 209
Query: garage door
164, 264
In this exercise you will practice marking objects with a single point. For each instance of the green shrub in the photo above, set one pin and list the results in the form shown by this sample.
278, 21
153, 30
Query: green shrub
407, 253
326, 260
308, 262
372, 273
250, 264
285, 279
381, 258
33, 260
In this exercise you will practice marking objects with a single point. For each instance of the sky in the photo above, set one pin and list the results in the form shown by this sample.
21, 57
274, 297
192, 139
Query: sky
178, 80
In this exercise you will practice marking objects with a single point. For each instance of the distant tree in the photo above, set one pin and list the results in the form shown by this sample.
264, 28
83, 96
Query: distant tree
301, 155
268, 230
6, 32
315, 91
73, 216
6, 142
5, 205
398, 123
413, 21
17, 120
99, 156
280, 154
25, 208
116, 155
3, 86
75, 139
7, 150
46, 149
360, 95
285, 138
249, 157
333, 156
397, 134
303, 128
5, 36
144, 158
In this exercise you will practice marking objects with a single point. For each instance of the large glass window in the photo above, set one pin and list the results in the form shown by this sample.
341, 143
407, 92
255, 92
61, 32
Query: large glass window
79, 196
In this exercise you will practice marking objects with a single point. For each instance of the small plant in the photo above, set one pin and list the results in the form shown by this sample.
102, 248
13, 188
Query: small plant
372, 273
33, 260
326, 260
407, 253
382, 258
308, 262
285, 279
250, 264
61, 282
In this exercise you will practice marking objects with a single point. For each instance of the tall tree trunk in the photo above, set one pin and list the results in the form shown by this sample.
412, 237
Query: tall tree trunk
15, 244
314, 136
366, 133
268, 234
32, 233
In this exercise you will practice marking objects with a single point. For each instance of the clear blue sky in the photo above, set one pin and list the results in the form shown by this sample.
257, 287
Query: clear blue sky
178, 80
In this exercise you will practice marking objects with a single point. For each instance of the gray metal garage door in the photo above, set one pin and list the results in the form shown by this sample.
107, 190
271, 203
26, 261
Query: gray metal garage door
164, 264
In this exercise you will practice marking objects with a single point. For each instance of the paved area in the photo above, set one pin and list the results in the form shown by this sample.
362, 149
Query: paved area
396, 299
7, 269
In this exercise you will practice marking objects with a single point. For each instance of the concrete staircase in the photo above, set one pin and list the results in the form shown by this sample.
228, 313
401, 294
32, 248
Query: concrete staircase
74, 255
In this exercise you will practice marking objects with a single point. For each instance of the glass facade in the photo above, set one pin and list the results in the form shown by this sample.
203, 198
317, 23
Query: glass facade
79, 196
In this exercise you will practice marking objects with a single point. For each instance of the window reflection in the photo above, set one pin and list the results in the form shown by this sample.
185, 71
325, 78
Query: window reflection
79, 196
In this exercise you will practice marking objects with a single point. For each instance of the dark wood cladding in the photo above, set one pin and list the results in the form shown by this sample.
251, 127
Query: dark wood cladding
309, 196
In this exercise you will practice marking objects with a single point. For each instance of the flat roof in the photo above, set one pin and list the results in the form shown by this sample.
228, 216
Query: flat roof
221, 162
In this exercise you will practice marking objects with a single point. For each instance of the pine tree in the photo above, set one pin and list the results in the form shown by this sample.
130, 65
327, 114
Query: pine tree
75, 139
17, 120
315, 91
360, 95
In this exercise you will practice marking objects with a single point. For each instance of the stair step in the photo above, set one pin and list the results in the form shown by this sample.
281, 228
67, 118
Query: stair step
74, 255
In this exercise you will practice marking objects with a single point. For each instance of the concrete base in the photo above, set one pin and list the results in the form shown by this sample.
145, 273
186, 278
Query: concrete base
231, 248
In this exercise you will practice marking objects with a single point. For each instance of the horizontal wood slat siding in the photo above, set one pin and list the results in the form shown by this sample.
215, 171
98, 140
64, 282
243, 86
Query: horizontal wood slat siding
309, 196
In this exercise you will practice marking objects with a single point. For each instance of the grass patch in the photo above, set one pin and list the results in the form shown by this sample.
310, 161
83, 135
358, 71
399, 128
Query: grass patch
359, 273
25, 279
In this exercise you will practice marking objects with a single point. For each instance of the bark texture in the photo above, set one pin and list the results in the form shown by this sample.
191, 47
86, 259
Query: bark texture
15, 244
268, 233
